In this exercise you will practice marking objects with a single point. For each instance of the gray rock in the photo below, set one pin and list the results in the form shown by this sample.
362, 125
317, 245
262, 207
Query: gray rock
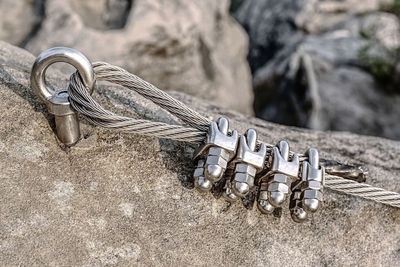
380, 26
19, 20
103, 14
341, 79
397, 75
319, 15
272, 25
119, 199
194, 47
365, 109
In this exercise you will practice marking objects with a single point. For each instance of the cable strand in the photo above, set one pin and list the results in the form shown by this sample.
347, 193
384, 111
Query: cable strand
82, 102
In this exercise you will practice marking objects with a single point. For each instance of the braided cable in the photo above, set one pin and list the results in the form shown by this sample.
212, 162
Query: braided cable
82, 102
362, 190
114, 74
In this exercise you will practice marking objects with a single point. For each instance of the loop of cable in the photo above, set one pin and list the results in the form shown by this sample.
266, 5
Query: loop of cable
82, 102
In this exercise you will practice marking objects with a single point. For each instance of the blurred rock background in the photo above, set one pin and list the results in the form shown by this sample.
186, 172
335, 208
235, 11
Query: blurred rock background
328, 65
190, 46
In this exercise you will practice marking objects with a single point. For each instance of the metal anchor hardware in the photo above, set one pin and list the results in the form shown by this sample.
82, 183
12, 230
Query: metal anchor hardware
57, 102
307, 193
248, 162
219, 149
274, 186
228, 192
215, 160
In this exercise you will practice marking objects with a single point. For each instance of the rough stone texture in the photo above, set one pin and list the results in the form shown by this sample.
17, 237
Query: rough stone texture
118, 199
190, 46
326, 80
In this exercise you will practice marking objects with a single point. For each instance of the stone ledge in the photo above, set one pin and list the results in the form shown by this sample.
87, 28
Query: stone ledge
124, 199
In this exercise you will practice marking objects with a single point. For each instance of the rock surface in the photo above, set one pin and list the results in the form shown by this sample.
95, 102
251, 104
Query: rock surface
19, 20
190, 46
272, 24
340, 75
118, 199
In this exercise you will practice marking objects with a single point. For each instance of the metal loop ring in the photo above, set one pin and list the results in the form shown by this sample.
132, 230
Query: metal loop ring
60, 54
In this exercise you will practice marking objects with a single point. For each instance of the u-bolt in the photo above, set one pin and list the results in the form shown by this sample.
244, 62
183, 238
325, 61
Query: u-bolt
57, 101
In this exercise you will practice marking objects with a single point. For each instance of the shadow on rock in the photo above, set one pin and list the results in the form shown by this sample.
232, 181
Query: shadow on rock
27, 94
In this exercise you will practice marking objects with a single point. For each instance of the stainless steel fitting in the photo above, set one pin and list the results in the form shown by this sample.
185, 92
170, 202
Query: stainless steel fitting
274, 186
228, 193
248, 162
57, 102
307, 194
214, 156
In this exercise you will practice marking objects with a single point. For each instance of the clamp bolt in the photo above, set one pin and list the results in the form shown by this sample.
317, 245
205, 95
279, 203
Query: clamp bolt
274, 186
214, 156
248, 162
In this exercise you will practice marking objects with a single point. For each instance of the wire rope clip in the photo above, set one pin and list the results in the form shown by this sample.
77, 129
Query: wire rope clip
57, 101
214, 155
307, 193
274, 186
249, 161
